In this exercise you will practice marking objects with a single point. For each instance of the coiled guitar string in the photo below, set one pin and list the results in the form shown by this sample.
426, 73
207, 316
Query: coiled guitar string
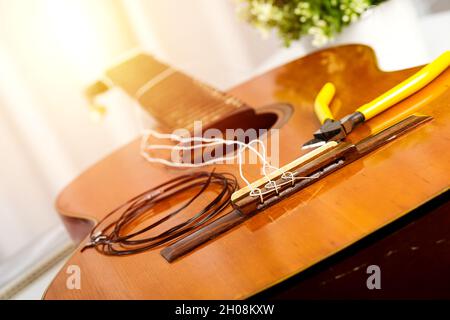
112, 238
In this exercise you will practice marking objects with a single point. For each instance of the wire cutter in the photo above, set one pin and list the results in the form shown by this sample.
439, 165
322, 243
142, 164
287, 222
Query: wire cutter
336, 130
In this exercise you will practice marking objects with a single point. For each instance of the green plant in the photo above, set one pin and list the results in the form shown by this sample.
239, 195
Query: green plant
293, 19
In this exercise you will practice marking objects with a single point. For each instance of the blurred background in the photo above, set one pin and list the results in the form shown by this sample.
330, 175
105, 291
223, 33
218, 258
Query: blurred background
51, 50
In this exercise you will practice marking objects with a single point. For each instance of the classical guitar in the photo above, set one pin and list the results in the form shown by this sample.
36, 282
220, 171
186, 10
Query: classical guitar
406, 169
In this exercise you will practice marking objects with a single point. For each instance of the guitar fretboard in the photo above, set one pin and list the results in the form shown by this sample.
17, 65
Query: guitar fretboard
174, 99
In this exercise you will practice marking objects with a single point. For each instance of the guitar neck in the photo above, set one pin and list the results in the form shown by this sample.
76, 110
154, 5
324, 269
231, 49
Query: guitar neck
172, 98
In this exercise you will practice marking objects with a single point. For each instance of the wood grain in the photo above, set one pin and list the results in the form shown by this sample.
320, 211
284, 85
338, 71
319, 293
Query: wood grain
300, 231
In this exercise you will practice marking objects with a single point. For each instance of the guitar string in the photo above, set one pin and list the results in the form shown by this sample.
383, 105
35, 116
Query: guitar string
145, 147
113, 239
287, 176
201, 142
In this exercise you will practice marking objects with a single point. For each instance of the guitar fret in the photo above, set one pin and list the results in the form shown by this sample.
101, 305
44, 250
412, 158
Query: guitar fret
195, 102
202, 112
208, 116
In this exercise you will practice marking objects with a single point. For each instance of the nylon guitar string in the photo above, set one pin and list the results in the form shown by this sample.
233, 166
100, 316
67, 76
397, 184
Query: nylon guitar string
200, 142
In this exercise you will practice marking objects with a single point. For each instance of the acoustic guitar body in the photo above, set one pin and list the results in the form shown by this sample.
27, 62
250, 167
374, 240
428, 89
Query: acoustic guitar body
295, 234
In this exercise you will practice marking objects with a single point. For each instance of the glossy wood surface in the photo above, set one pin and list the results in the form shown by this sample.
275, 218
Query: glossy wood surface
302, 230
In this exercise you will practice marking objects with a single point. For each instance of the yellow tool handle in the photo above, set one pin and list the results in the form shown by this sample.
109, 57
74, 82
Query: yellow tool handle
406, 88
322, 102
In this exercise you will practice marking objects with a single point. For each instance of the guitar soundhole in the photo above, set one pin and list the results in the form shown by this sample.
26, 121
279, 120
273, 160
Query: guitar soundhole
273, 116
245, 125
